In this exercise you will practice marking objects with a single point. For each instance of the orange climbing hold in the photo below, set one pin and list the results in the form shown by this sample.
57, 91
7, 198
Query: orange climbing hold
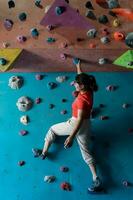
124, 12
118, 36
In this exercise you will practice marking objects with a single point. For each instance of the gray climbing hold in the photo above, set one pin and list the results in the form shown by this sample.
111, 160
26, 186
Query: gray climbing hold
11, 4
129, 39
22, 16
130, 63
105, 40
34, 32
24, 103
61, 79
90, 14
103, 19
113, 4
51, 85
8, 24
15, 82
103, 61
59, 10
92, 33
3, 61
49, 179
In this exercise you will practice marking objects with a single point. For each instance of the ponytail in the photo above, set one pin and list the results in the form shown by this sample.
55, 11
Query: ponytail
93, 84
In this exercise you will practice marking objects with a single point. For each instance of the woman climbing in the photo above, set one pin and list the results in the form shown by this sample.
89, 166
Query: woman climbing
78, 126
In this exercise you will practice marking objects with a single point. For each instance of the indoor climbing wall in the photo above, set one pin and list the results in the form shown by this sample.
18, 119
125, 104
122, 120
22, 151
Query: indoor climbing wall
83, 29
24, 175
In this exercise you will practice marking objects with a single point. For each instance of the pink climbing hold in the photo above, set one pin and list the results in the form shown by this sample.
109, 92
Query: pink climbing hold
64, 169
39, 77
49, 27
110, 88
104, 117
65, 186
21, 163
63, 112
38, 100
21, 39
23, 132
63, 56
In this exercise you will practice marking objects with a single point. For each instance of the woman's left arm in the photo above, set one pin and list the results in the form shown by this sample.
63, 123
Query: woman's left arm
69, 140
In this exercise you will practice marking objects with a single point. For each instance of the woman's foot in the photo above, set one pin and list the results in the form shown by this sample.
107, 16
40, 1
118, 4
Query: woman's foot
44, 155
96, 186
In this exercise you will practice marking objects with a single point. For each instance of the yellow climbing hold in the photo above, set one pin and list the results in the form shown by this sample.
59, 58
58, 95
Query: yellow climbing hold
10, 55
116, 23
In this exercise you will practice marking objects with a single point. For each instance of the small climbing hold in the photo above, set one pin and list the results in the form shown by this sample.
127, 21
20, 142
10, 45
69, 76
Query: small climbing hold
130, 130
65, 186
64, 100
51, 85
116, 23
125, 183
51, 106
8, 24
38, 100
49, 179
63, 45
92, 45
49, 27
23, 132
119, 36
129, 40
75, 93
103, 117
61, 79
5, 44
89, 5
63, 112
110, 88
72, 83
103, 19
47, 8
101, 105
11, 4
38, 3
3, 61
63, 56
39, 77
16, 82
105, 40
24, 119
103, 61
21, 163
22, 16
90, 14
92, 33
21, 39
106, 144
104, 31
50, 40
125, 105
24, 103
76, 61
130, 63
112, 13
34, 32
36, 152
59, 10
113, 4
64, 169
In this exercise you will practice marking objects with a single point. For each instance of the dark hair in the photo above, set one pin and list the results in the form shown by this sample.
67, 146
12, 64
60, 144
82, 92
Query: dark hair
88, 81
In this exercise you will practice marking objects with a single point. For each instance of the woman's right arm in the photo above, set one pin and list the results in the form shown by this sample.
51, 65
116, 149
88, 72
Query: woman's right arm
78, 66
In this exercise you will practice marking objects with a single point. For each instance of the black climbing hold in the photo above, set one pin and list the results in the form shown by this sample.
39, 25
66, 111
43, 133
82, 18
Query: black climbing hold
11, 4
112, 14
90, 14
130, 63
22, 16
67, 1
129, 40
88, 5
103, 19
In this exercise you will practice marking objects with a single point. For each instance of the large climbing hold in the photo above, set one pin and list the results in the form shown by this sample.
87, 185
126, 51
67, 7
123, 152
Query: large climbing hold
8, 24
92, 33
129, 40
22, 16
24, 103
59, 10
65, 186
113, 4
3, 61
103, 19
11, 4
16, 82
89, 5
34, 32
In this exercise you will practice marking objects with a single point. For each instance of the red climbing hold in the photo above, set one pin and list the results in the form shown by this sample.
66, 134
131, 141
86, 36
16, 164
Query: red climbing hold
65, 186
21, 163
118, 36
92, 45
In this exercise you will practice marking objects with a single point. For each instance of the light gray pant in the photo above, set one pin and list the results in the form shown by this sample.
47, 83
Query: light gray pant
83, 136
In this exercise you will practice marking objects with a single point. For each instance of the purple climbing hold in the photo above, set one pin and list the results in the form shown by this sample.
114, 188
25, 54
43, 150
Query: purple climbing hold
21, 39
21, 163
39, 77
51, 85
63, 112
64, 169
38, 100
8, 24
23, 132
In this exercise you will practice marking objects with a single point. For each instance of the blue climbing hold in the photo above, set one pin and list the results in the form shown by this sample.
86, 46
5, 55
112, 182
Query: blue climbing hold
59, 10
76, 61
22, 16
113, 4
34, 32
50, 40
3, 61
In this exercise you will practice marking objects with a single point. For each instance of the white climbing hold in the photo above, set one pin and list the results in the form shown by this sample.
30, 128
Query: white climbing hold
24, 103
61, 79
47, 8
15, 82
49, 179
24, 119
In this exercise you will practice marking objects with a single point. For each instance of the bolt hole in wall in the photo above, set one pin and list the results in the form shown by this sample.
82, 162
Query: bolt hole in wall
21, 132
